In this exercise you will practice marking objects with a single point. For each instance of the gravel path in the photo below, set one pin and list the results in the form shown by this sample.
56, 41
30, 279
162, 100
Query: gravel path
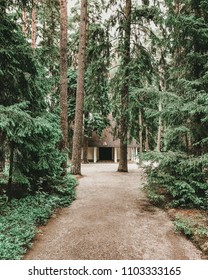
111, 219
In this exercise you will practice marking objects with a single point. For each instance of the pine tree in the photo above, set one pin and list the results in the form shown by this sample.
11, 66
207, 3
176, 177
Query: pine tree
182, 169
63, 78
78, 129
123, 163
29, 132
33, 27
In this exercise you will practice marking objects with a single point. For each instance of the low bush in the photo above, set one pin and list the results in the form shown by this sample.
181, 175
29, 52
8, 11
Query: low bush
155, 197
183, 177
19, 218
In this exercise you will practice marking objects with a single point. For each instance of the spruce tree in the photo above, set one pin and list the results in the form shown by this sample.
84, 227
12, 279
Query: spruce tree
63, 78
78, 128
182, 169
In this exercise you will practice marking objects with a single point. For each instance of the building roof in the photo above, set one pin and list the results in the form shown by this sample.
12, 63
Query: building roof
107, 140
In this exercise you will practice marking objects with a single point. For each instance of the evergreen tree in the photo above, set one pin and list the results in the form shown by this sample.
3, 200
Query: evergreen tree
63, 77
97, 101
123, 163
183, 169
78, 129
29, 133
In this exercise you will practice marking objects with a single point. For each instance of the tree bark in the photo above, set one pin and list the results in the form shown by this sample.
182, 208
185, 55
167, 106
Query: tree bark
33, 37
123, 163
2, 152
85, 140
140, 137
78, 128
159, 134
11, 165
63, 80
24, 20
146, 139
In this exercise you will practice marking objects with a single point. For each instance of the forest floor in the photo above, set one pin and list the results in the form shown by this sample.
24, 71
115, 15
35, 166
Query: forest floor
111, 219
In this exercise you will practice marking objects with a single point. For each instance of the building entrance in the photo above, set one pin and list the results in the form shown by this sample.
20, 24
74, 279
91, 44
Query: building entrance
105, 153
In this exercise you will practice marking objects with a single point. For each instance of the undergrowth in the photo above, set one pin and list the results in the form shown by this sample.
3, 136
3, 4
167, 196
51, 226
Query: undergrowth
190, 227
19, 218
179, 183
184, 179
154, 197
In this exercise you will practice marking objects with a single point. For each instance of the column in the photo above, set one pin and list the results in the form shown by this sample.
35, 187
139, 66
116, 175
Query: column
115, 154
132, 154
95, 155
136, 153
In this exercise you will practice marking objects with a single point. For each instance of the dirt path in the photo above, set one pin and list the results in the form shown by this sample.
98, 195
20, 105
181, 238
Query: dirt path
111, 219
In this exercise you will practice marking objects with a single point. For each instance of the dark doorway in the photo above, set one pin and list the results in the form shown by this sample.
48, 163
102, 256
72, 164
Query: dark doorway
105, 154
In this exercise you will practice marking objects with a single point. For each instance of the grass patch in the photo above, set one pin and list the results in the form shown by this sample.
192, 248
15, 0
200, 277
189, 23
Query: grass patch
20, 217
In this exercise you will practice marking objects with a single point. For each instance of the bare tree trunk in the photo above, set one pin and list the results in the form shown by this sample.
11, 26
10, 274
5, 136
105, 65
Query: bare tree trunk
140, 131
11, 165
24, 20
63, 79
85, 140
189, 142
159, 127
123, 163
33, 38
78, 128
140, 136
2, 152
146, 139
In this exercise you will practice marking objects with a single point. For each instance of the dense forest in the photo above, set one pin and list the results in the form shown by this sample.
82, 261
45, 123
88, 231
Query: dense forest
64, 67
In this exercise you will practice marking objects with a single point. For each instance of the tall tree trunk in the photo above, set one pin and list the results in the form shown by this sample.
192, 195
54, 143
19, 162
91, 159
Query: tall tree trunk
146, 139
123, 163
85, 141
11, 165
24, 20
2, 152
33, 38
78, 128
140, 137
159, 134
63, 80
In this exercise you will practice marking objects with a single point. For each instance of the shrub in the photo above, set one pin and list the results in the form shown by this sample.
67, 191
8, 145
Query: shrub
183, 177
20, 217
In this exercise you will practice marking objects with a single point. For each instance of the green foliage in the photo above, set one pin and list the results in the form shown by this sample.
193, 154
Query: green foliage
144, 100
143, 93
95, 122
183, 177
97, 102
96, 79
201, 231
184, 226
154, 197
37, 162
19, 218
18, 69
190, 227
182, 171
25, 121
